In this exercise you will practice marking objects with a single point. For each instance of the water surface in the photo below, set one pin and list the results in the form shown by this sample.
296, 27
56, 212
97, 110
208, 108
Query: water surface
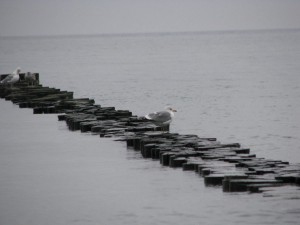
235, 86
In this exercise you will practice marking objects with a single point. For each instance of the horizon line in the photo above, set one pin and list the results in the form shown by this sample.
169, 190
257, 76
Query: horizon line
149, 33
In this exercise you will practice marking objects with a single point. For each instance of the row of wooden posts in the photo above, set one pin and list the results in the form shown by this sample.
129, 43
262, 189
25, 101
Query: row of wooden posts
229, 166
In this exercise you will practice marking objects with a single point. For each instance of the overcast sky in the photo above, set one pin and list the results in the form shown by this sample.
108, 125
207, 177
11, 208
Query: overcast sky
55, 17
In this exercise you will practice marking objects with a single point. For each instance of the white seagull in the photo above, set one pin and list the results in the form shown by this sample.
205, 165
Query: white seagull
30, 77
12, 78
162, 118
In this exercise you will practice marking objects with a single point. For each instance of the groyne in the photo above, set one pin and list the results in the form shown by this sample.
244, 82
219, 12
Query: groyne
229, 166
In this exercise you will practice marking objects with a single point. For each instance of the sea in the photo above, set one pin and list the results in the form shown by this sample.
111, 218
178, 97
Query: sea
236, 86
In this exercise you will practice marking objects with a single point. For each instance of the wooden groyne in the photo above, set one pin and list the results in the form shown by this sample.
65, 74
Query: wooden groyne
229, 166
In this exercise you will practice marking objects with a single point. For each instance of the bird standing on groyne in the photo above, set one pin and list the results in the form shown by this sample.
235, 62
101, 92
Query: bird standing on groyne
30, 78
162, 118
11, 78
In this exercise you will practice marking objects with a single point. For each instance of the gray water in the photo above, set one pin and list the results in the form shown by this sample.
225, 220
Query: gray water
236, 86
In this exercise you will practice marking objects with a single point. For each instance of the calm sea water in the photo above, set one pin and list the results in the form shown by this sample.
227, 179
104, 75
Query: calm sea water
236, 86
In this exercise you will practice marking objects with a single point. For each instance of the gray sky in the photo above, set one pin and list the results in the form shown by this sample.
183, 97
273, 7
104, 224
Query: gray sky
54, 17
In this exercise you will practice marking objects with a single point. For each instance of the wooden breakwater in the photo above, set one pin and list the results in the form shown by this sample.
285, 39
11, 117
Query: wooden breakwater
229, 166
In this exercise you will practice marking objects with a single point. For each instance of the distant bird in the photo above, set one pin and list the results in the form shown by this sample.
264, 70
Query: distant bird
162, 118
11, 78
30, 78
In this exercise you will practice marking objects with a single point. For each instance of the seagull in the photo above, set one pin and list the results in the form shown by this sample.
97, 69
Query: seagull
162, 118
12, 78
30, 77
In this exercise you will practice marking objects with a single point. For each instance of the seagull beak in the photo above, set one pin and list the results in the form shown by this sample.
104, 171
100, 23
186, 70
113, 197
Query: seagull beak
174, 110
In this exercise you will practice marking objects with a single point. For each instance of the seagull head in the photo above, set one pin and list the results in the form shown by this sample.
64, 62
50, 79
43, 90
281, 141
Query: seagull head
17, 71
171, 109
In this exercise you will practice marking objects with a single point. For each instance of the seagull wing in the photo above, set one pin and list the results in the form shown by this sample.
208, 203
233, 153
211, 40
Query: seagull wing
160, 117
7, 79
11, 77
